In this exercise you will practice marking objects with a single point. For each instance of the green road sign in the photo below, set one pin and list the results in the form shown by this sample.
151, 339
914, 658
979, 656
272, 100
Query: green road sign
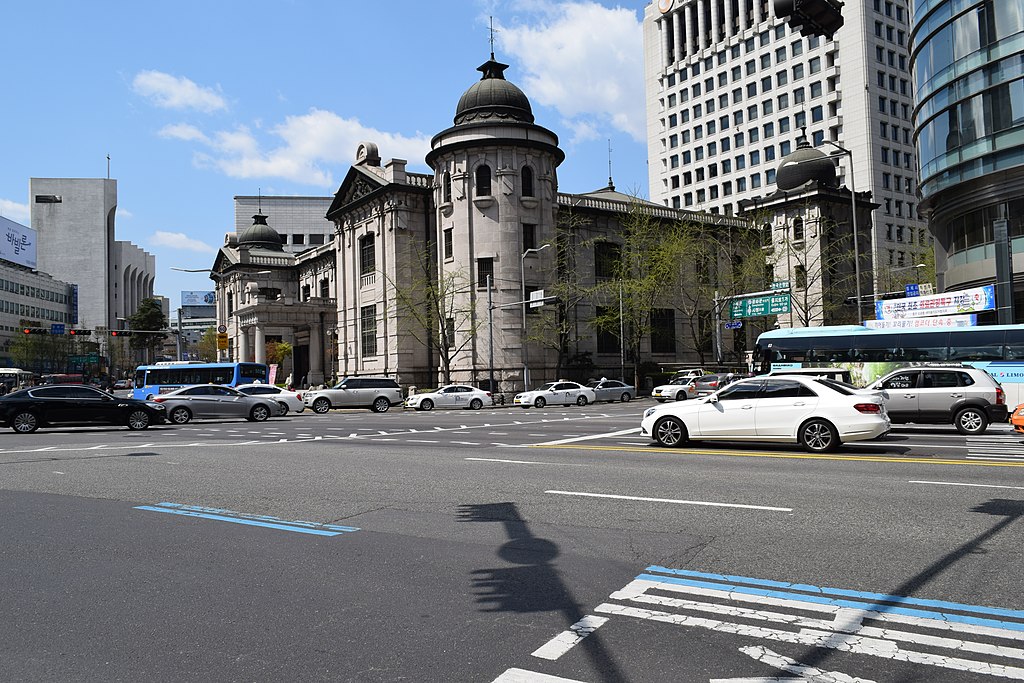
759, 306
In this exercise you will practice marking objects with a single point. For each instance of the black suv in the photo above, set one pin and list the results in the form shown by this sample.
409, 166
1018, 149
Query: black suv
966, 397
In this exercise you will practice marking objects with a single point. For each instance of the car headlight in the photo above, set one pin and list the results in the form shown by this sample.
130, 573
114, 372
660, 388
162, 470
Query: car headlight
649, 412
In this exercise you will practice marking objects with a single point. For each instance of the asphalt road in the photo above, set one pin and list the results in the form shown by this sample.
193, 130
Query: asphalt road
464, 546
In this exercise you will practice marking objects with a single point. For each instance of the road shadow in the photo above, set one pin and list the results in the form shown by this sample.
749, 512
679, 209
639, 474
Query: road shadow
533, 584
1009, 510
142, 454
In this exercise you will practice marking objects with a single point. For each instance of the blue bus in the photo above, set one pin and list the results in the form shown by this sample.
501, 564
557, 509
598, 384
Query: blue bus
153, 380
870, 353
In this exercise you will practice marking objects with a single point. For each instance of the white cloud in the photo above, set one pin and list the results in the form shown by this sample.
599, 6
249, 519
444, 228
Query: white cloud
179, 240
19, 213
174, 92
306, 145
585, 61
124, 213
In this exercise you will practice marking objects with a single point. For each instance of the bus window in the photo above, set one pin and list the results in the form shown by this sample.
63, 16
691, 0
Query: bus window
1015, 344
250, 373
830, 349
978, 344
875, 347
791, 350
923, 346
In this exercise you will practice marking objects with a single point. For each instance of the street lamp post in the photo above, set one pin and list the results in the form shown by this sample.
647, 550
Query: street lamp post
853, 219
522, 283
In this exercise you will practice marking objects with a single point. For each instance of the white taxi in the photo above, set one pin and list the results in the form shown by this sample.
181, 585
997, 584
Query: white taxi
555, 393
679, 389
451, 396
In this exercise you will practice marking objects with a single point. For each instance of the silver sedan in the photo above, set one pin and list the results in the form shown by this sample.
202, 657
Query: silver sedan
612, 390
215, 402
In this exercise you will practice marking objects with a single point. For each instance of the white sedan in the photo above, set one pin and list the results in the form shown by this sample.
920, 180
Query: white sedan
451, 396
287, 400
555, 393
679, 389
819, 414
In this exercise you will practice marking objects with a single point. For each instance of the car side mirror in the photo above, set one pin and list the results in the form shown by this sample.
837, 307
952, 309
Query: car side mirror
712, 399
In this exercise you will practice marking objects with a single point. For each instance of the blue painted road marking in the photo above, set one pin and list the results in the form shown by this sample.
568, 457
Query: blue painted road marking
266, 521
875, 602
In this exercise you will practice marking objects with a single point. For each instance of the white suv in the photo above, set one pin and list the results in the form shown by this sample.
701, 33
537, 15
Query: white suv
966, 397
376, 393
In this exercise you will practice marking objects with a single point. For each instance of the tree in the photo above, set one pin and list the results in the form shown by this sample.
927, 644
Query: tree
149, 318
206, 347
278, 352
437, 307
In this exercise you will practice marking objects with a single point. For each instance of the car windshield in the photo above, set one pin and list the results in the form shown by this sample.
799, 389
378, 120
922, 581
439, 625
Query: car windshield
545, 387
593, 383
841, 387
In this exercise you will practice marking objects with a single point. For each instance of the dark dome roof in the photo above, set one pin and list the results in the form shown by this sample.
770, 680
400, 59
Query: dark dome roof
804, 165
260, 235
492, 97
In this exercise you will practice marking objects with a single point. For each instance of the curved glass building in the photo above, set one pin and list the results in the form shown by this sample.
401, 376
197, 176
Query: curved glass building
967, 58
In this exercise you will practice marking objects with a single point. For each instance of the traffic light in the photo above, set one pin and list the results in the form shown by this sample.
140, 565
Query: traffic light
120, 333
812, 17
80, 333
35, 330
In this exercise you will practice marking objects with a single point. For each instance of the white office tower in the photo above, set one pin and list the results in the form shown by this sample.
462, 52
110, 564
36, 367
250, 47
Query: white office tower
729, 88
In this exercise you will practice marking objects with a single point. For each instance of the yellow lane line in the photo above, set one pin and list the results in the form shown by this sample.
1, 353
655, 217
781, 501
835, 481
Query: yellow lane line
790, 456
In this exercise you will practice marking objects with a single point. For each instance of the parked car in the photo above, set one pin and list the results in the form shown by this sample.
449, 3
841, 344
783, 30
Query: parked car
691, 373
376, 393
678, 389
555, 393
612, 390
122, 384
288, 400
206, 401
27, 410
1017, 419
818, 414
709, 384
451, 396
966, 397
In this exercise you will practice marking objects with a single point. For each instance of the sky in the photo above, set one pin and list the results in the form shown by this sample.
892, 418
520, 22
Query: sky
196, 102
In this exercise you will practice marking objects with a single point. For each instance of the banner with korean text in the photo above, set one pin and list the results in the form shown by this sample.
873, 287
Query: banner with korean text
948, 303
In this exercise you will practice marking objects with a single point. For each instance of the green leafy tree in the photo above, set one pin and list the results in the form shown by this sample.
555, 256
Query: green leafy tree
206, 347
150, 322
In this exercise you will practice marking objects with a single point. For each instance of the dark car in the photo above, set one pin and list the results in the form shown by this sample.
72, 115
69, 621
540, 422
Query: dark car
709, 384
27, 410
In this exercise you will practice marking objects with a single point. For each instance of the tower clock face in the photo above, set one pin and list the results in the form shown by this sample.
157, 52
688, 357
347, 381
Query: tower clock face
665, 6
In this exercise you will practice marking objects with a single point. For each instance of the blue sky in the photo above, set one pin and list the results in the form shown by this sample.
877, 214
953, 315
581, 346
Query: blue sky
197, 102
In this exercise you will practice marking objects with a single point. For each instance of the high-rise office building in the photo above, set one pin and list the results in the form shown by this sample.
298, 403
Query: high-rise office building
729, 89
967, 61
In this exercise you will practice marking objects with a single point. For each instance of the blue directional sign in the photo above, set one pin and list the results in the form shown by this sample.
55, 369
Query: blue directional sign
733, 324
56, 328
912, 290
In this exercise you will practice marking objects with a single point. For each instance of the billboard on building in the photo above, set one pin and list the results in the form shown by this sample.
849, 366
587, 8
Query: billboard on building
960, 302
17, 243
197, 298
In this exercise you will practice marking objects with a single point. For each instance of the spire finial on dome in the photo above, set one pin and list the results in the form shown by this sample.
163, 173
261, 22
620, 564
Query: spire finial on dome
493, 30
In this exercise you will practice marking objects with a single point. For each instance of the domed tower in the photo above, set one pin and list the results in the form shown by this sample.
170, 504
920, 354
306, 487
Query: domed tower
495, 189
259, 235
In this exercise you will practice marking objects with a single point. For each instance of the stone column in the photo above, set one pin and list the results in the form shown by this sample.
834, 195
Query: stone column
261, 344
316, 354
666, 27
730, 18
682, 45
744, 20
716, 25
758, 13
691, 19
702, 25
243, 344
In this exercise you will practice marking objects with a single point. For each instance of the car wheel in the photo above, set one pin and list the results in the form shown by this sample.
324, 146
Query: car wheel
971, 421
321, 406
284, 408
381, 405
181, 415
670, 431
259, 413
625, 398
138, 419
540, 402
681, 396
25, 423
819, 436
426, 404
476, 404
661, 400
581, 401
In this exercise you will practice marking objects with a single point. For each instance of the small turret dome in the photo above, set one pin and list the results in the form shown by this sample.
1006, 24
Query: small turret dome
492, 97
804, 165
260, 235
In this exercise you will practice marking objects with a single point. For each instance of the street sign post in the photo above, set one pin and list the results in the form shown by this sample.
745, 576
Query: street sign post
222, 341
56, 328
222, 329
780, 284
733, 324
911, 290
759, 306
537, 298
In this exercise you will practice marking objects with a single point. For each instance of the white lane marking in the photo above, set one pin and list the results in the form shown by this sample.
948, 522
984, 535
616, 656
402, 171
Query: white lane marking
524, 676
566, 640
671, 500
791, 666
958, 483
522, 462
995, 458
466, 443
420, 441
590, 437
56, 472
820, 638
497, 433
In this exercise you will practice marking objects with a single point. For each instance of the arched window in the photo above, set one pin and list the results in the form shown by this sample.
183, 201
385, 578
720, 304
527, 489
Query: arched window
766, 235
798, 229
446, 187
527, 178
483, 181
